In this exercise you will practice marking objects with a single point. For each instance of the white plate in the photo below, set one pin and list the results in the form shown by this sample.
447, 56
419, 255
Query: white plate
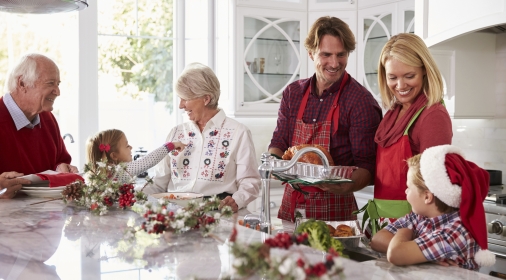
41, 188
182, 197
43, 193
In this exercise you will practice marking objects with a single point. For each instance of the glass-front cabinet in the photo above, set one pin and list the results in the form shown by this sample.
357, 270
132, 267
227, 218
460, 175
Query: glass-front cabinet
298, 5
331, 5
376, 26
270, 55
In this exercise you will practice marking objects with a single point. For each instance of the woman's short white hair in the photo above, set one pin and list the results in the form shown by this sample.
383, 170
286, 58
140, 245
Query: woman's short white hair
198, 80
26, 69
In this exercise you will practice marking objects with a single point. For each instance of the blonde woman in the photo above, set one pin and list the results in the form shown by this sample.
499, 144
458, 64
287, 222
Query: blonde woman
411, 89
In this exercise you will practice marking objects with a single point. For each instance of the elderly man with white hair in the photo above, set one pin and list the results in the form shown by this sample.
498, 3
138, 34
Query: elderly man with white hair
31, 140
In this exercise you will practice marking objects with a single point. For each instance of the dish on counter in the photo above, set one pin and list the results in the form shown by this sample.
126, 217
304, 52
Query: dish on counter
179, 198
348, 241
51, 193
41, 187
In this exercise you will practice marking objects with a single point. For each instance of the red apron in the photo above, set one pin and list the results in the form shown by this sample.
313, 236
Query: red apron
389, 201
391, 167
318, 204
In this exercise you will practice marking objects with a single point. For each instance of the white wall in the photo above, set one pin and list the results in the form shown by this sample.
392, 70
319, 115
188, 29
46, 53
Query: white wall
484, 140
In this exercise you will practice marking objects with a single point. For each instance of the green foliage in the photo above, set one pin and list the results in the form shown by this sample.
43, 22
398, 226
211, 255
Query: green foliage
141, 50
319, 235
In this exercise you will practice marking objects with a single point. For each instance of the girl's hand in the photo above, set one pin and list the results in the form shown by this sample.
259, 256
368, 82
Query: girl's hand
179, 146
229, 201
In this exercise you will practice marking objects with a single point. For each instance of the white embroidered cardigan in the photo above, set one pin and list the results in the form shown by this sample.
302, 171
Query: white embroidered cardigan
220, 159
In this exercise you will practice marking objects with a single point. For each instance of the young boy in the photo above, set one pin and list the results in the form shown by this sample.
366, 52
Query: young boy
447, 222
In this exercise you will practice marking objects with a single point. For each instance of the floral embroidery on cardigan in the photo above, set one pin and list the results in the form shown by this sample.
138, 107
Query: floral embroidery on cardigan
210, 163
221, 165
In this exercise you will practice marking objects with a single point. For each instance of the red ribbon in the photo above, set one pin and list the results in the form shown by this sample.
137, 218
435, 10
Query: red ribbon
104, 147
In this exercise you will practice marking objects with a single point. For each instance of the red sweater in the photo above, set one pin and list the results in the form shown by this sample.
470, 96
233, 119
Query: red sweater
30, 150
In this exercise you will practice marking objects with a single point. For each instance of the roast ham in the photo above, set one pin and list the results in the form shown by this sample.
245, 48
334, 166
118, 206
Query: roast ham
308, 157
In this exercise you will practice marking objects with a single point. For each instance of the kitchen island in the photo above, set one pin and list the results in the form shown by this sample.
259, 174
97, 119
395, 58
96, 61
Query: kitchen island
52, 240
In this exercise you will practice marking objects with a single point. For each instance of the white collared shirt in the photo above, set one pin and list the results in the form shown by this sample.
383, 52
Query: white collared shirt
19, 118
220, 159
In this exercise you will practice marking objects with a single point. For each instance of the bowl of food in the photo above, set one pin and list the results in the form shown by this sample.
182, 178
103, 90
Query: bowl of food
348, 232
180, 198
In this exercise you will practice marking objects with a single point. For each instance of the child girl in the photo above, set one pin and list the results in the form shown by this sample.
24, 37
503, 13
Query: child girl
113, 145
447, 223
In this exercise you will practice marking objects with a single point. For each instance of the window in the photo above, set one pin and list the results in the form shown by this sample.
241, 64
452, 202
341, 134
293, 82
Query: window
139, 55
135, 75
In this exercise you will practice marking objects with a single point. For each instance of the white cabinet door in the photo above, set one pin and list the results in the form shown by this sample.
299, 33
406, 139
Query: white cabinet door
270, 54
332, 5
350, 17
376, 26
373, 3
438, 21
297, 5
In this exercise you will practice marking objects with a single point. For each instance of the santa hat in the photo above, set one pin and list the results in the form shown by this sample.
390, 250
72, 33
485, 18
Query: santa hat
461, 184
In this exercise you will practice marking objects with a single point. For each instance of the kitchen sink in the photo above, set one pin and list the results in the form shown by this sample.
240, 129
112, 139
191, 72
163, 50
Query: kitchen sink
361, 255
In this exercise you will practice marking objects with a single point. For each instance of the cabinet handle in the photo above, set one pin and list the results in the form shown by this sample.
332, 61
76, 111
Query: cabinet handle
242, 103
351, 1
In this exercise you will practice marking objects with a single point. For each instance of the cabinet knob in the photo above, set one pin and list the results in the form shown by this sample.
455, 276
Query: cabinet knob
496, 227
272, 204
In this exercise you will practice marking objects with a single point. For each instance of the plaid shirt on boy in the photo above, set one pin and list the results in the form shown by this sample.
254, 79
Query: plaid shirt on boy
441, 238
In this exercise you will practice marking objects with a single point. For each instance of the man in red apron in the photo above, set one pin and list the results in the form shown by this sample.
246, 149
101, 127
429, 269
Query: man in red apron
333, 110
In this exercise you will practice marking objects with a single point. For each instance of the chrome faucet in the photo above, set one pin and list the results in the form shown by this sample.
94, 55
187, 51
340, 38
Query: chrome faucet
266, 169
70, 136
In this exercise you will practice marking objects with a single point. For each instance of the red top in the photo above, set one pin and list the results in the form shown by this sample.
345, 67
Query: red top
433, 126
30, 151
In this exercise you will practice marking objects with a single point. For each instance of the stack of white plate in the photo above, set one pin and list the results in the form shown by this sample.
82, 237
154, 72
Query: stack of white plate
42, 190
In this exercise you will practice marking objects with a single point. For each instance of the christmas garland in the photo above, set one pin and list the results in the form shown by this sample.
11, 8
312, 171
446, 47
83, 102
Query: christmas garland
102, 189
257, 258
196, 215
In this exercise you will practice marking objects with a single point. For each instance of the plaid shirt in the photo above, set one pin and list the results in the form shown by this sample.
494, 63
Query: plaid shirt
441, 238
359, 117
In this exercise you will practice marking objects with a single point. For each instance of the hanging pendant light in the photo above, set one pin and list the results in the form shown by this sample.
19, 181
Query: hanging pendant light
42, 6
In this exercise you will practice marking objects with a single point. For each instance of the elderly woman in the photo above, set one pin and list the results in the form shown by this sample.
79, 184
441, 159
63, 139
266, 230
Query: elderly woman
411, 88
219, 158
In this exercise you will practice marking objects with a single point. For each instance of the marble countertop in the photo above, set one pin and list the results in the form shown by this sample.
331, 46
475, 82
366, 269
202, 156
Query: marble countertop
56, 241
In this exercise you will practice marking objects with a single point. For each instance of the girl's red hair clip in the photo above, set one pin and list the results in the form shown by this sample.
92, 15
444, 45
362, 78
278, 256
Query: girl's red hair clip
104, 147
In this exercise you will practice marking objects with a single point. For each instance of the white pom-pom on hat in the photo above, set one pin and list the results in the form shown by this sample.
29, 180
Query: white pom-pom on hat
484, 258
